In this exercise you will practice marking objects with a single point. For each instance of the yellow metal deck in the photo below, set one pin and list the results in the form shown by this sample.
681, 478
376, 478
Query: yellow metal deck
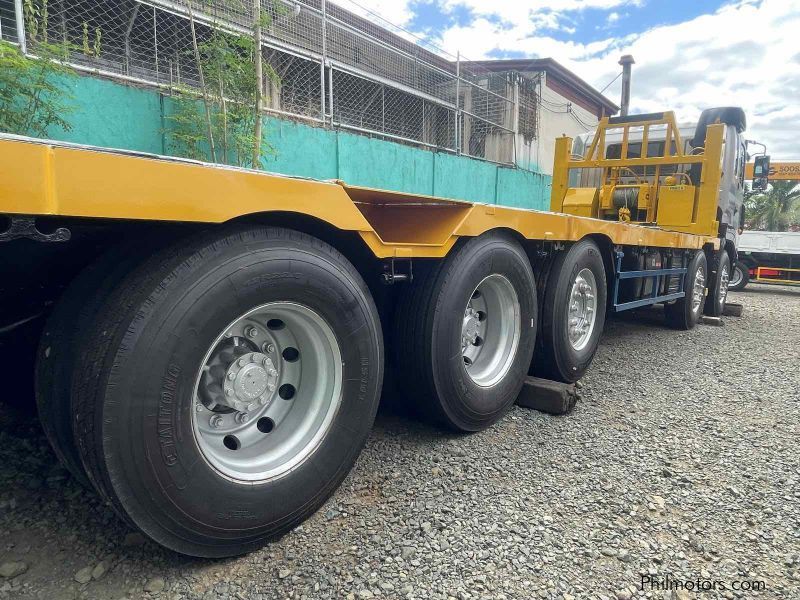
53, 179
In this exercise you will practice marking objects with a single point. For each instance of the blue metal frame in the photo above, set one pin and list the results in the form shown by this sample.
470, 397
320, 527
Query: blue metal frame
656, 275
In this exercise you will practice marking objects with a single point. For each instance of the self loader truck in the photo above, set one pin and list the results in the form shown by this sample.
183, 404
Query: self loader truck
212, 341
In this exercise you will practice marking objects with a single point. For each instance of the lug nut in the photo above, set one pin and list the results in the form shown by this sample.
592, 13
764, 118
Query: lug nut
215, 421
269, 348
242, 362
251, 332
198, 407
231, 376
229, 392
242, 418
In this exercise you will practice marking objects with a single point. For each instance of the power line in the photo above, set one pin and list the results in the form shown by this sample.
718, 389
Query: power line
589, 126
581, 123
556, 112
610, 82
556, 104
420, 41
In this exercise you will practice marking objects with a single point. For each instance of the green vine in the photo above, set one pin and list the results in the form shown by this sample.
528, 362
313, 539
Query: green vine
97, 42
85, 39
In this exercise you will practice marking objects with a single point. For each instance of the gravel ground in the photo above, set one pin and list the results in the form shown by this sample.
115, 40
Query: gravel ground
686, 466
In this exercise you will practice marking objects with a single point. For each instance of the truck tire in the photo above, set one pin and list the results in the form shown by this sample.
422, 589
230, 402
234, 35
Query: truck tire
466, 331
573, 313
227, 388
685, 313
72, 315
740, 277
718, 287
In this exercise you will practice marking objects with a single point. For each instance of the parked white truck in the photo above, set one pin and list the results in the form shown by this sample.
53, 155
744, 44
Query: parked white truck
767, 257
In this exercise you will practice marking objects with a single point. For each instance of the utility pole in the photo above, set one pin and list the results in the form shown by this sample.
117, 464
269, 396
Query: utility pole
626, 62
20, 20
324, 57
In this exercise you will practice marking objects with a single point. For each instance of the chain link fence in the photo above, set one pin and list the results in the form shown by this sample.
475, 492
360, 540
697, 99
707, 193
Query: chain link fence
333, 63
8, 25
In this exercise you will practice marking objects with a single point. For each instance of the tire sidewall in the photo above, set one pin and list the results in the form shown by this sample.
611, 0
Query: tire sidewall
154, 462
571, 363
468, 405
716, 307
745, 271
721, 301
692, 317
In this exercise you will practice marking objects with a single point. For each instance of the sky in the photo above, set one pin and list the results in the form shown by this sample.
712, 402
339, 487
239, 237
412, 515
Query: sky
690, 54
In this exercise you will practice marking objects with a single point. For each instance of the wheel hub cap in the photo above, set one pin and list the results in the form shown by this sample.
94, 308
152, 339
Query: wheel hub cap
699, 289
582, 309
471, 328
267, 392
724, 282
247, 382
490, 330
736, 277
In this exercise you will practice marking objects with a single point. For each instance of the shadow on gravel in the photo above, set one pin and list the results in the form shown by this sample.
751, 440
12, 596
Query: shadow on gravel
650, 316
57, 527
53, 524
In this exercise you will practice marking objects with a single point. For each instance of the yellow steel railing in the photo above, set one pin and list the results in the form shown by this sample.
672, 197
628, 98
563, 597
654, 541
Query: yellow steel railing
702, 195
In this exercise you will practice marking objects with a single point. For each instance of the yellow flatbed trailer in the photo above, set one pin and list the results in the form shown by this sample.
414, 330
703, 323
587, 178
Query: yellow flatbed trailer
51, 179
212, 340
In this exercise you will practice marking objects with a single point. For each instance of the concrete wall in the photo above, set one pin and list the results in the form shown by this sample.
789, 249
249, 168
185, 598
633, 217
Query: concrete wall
112, 114
554, 122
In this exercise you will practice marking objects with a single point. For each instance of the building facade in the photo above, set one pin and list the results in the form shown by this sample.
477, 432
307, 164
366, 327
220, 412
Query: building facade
566, 105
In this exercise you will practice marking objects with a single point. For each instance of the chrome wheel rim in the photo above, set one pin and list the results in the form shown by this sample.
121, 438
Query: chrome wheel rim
582, 309
267, 391
699, 288
724, 282
490, 330
736, 276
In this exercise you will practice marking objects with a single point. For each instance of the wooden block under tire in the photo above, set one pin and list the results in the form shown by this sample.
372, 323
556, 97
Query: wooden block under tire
551, 397
712, 321
733, 310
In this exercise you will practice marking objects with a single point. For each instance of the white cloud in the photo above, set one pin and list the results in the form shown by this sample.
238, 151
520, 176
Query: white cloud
745, 54
394, 12
518, 11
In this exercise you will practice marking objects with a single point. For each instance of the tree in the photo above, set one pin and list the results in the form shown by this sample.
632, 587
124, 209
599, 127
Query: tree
776, 209
34, 96
258, 64
221, 118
